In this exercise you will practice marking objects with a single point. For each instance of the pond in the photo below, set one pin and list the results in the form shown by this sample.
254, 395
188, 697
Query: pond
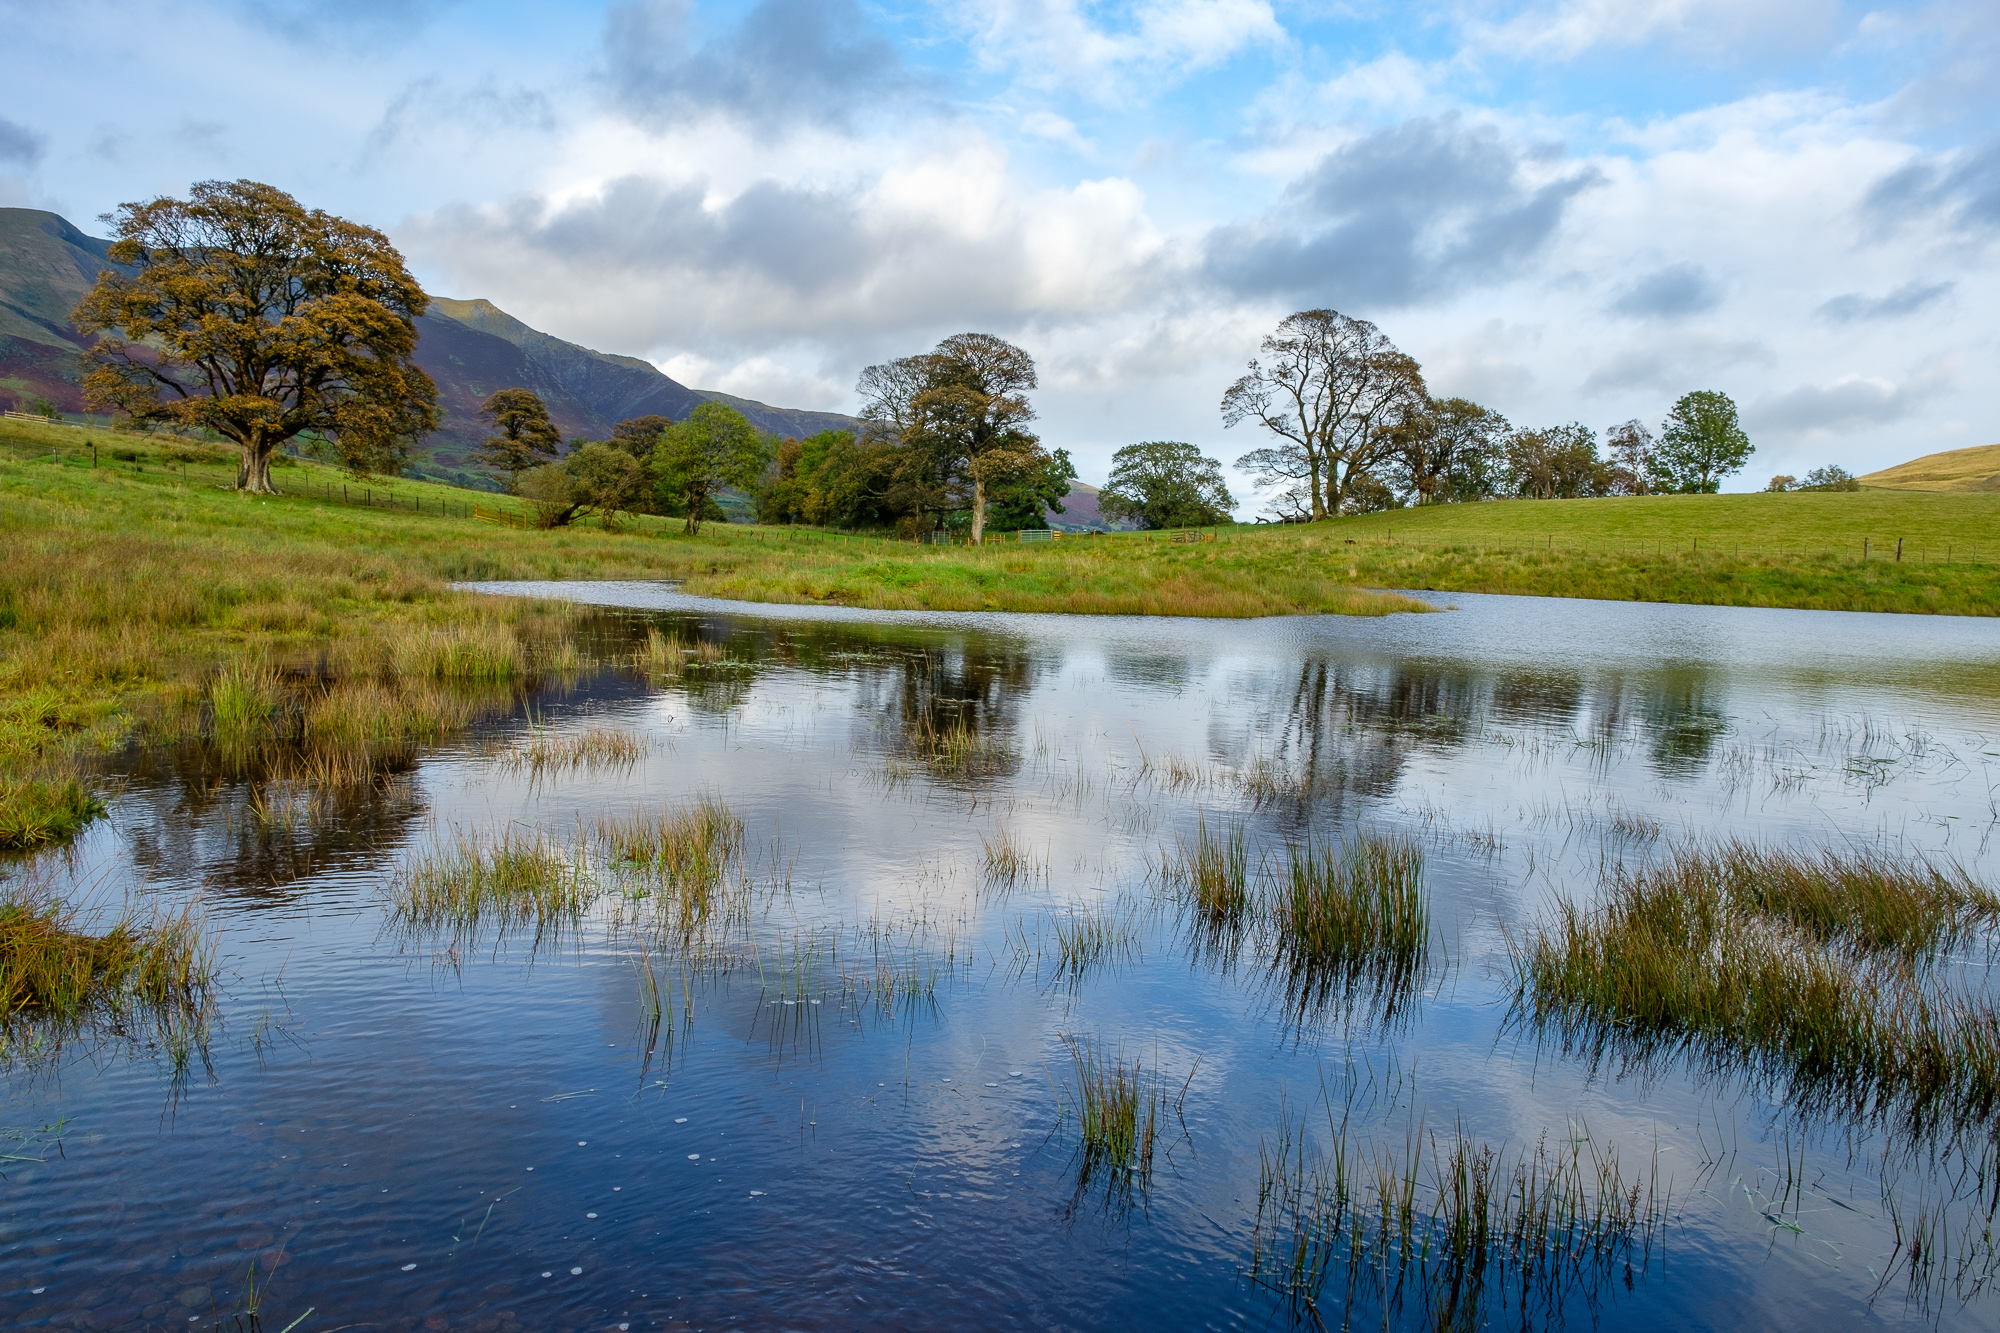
848, 1086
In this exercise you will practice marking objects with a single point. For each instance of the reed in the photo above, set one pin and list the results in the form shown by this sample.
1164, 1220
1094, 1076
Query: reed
470, 883
58, 974
1353, 918
662, 654
241, 702
1445, 1228
1005, 860
1211, 874
1120, 1111
1804, 968
684, 852
546, 751
1088, 936
477, 652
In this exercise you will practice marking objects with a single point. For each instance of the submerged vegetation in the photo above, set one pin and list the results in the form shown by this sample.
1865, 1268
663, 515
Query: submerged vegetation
1813, 969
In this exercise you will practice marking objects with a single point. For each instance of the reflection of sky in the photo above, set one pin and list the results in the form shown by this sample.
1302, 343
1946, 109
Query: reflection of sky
884, 1185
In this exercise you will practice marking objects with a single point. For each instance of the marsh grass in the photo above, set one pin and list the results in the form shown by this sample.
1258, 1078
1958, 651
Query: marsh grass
1121, 1112
1444, 1231
1352, 920
682, 858
1006, 860
1211, 873
42, 812
150, 977
661, 655
1807, 969
476, 653
544, 752
959, 751
469, 884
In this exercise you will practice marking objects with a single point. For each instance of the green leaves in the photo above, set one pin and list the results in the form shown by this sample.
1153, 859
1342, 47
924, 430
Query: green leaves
1700, 444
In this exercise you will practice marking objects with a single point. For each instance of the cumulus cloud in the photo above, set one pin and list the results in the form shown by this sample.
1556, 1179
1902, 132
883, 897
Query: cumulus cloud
1670, 293
1060, 42
483, 107
1912, 296
1733, 29
787, 61
1400, 215
19, 144
1958, 190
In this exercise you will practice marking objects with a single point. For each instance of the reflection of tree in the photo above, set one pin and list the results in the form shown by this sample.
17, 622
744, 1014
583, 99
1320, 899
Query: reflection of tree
1684, 722
253, 822
953, 709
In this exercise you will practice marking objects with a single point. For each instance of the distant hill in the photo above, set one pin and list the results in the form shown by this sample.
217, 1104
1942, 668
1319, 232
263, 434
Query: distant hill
1974, 469
471, 348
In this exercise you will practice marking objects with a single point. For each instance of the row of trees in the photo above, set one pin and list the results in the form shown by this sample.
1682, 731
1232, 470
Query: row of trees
1355, 429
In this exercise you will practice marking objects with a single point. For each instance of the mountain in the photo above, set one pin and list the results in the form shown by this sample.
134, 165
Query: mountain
1974, 469
471, 348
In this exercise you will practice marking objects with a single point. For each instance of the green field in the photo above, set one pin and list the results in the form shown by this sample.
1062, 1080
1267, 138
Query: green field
129, 586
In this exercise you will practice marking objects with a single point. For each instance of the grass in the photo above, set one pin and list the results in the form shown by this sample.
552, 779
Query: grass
1211, 874
1439, 1230
1353, 918
57, 975
1006, 860
470, 883
37, 813
545, 751
682, 855
1973, 469
1120, 1114
1805, 968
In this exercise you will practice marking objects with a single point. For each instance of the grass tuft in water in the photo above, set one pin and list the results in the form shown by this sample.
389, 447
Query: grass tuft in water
1120, 1111
472, 653
1212, 873
545, 751
1005, 860
1353, 918
57, 975
37, 812
1804, 967
684, 853
519, 879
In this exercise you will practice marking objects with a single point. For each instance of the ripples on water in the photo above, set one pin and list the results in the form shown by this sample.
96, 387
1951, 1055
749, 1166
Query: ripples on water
842, 1089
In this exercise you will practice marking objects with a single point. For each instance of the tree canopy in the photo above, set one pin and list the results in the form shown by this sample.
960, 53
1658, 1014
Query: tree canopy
246, 314
1700, 444
1166, 484
526, 437
1333, 390
715, 447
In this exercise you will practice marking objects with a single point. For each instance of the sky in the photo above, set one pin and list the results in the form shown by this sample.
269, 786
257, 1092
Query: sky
1565, 210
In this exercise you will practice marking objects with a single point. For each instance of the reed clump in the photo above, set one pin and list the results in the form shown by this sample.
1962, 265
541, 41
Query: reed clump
477, 653
1353, 918
1211, 874
515, 880
684, 852
546, 751
58, 974
1006, 860
1120, 1110
1446, 1228
1808, 968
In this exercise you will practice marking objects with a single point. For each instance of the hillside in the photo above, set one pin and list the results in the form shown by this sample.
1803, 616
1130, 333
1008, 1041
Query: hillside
471, 348
1974, 469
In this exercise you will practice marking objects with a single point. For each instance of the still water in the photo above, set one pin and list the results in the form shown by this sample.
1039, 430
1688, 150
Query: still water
401, 1130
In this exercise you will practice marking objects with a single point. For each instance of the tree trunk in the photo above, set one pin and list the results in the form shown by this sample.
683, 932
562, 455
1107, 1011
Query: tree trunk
1318, 506
978, 512
254, 477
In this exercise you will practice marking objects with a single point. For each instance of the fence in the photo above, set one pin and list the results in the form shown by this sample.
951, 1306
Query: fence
1919, 550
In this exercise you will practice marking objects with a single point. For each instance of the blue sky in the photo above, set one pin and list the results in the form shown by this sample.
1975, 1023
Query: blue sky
1571, 210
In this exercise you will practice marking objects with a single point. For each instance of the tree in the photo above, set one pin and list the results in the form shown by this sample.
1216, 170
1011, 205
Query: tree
1631, 449
1782, 483
715, 447
1026, 499
593, 478
1557, 463
526, 434
1700, 444
637, 436
1165, 484
1449, 451
1334, 391
238, 311
960, 413
1832, 477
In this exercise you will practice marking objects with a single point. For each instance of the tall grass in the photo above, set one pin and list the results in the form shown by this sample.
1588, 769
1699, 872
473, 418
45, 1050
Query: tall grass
479, 653
57, 974
1120, 1111
544, 751
1805, 968
39, 812
1211, 873
470, 883
1352, 918
1006, 860
682, 855
1446, 1231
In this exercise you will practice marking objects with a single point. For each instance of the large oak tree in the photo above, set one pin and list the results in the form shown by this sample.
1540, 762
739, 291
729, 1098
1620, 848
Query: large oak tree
241, 312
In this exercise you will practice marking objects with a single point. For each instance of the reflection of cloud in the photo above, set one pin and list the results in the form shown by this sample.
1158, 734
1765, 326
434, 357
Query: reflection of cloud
1401, 214
1912, 296
788, 61
1670, 292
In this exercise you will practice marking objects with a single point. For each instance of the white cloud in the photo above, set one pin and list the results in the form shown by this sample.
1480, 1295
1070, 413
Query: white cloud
1045, 43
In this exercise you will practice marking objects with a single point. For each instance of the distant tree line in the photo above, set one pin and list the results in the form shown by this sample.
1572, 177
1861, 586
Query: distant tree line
1354, 429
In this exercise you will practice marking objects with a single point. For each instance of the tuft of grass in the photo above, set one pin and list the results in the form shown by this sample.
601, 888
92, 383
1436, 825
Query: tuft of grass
37, 812
1353, 918
1211, 874
1452, 1236
476, 653
545, 751
470, 883
1005, 860
57, 975
1802, 967
241, 700
1120, 1111
662, 654
685, 853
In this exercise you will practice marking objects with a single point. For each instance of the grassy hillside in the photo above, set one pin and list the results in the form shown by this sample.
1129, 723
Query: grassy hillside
1974, 469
